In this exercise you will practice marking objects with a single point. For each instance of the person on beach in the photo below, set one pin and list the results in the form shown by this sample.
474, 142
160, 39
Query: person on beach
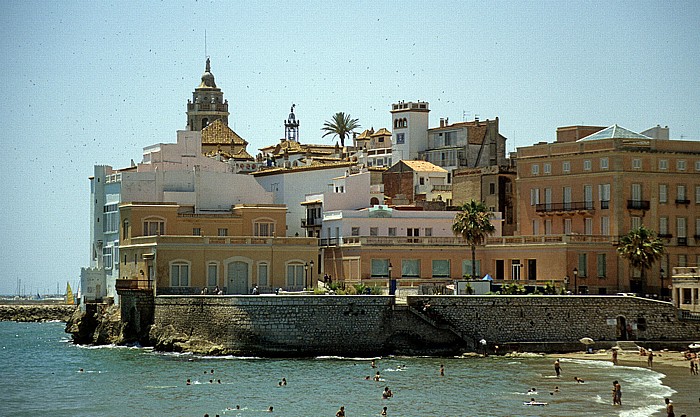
614, 356
669, 408
341, 412
442, 370
557, 368
617, 393
650, 358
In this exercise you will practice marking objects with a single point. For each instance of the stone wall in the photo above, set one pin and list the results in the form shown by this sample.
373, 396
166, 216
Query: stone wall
36, 312
271, 325
136, 310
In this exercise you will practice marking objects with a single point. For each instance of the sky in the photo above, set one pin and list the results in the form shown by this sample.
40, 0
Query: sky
92, 83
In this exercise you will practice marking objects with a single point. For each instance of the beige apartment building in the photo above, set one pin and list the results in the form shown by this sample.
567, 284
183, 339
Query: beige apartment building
600, 187
176, 250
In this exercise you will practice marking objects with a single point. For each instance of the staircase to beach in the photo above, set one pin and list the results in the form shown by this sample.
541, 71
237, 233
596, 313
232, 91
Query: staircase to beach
628, 346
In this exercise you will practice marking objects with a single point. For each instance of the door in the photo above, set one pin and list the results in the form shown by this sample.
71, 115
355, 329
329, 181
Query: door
238, 277
500, 274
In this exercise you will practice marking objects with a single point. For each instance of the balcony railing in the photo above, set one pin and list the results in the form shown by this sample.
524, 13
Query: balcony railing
563, 207
665, 235
682, 201
682, 241
604, 204
311, 222
638, 204
456, 241
133, 284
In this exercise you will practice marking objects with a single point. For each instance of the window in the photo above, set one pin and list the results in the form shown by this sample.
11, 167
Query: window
604, 195
605, 225
680, 193
566, 194
413, 232
663, 164
295, 275
421, 180
400, 138
153, 227
602, 262
392, 231
588, 196
697, 230
492, 188
355, 231
636, 163
697, 165
663, 226
635, 222
428, 231
603, 163
680, 165
682, 260
222, 231
212, 274
663, 193
566, 167
107, 257
179, 274
548, 226
587, 165
380, 267
535, 227
262, 274
547, 168
588, 226
264, 228
697, 194
125, 229
681, 227
567, 226
535, 169
582, 265
636, 192
441, 268
196, 231
374, 231
467, 267
410, 268
110, 223
534, 196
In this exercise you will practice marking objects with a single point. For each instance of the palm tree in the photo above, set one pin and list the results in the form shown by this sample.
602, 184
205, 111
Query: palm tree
642, 248
473, 223
342, 125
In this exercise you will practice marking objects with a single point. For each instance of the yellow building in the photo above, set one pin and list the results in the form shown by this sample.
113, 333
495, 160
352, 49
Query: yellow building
176, 250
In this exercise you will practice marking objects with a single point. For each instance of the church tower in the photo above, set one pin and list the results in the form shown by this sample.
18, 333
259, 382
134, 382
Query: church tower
207, 104
291, 127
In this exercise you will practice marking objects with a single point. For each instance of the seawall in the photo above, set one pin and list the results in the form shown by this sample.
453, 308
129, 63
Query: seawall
375, 325
36, 312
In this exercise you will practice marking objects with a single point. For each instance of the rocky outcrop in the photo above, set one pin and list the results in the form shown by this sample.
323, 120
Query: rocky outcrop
36, 312
99, 324
169, 340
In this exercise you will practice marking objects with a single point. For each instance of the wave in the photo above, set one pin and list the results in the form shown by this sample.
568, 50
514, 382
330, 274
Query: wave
346, 358
114, 346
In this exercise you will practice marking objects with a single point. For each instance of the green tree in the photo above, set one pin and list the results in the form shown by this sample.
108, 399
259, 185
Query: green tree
641, 248
473, 224
342, 125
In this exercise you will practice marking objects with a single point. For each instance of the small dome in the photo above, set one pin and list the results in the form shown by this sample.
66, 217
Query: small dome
207, 77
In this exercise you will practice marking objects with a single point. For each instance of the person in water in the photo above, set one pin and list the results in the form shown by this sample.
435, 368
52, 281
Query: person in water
669, 408
442, 370
617, 393
377, 377
557, 368
387, 393
341, 412
578, 380
383, 413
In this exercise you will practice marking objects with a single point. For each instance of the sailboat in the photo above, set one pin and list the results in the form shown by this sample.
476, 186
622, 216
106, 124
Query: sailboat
69, 295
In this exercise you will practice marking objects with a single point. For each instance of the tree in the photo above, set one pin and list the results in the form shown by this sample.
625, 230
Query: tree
642, 248
473, 224
342, 125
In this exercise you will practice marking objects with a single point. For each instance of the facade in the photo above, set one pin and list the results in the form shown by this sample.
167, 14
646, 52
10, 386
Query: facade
601, 187
176, 250
494, 186
685, 288
374, 148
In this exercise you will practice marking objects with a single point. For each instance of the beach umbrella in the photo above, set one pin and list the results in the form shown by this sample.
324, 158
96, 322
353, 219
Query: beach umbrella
695, 345
586, 340
487, 277
616, 348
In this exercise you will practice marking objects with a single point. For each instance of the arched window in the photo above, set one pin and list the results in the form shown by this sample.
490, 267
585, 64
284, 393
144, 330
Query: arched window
374, 201
263, 227
153, 227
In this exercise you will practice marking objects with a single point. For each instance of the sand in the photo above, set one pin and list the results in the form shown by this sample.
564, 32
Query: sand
674, 365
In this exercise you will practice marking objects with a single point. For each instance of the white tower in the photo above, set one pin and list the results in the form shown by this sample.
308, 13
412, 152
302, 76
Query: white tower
291, 127
410, 133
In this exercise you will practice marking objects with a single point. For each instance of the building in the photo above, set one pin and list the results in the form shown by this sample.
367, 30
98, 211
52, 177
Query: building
409, 181
685, 288
176, 249
600, 187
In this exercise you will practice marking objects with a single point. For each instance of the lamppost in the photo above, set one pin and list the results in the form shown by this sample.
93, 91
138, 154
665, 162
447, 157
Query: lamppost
306, 275
311, 264
392, 291
661, 290
575, 281
566, 284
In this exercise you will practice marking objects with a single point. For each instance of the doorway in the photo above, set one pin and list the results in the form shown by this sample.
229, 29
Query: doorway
237, 277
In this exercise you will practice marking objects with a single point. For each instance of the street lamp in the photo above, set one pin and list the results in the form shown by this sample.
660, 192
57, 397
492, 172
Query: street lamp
661, 290
306, 275
311, 264
575, 281
392, 291
566, 284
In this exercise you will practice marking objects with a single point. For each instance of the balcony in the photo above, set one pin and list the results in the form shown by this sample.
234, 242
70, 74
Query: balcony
665, 235
311, 222
682, 241
604, 204
682, 201
133, 284
564, 207
638, 204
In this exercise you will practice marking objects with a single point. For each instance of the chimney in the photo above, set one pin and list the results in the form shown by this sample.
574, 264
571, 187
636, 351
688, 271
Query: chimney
442, 122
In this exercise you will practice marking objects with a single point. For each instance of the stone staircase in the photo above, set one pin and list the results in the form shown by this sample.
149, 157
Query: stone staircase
628, 346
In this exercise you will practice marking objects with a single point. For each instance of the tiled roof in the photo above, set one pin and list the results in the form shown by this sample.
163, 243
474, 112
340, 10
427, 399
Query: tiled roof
423, 166
614, 132
366, 134
382, 132
217, 133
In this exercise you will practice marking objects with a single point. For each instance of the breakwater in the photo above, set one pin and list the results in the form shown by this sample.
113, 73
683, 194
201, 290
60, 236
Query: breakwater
369, 325
35, 312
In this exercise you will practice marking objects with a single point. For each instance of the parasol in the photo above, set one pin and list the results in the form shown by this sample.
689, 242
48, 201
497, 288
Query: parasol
586, 341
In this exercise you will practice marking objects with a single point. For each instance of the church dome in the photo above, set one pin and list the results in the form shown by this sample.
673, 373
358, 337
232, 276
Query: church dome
207, 78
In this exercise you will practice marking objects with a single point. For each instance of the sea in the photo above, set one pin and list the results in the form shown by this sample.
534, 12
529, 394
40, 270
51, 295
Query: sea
44, 374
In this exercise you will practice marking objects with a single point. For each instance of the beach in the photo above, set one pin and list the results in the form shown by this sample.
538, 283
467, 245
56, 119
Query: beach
672, 364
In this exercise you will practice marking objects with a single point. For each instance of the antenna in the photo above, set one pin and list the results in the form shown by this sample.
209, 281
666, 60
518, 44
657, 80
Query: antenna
206, 55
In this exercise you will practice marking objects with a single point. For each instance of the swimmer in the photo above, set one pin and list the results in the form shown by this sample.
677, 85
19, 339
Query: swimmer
373, 365
341, 412
383, 413
189, 382
284, 381
218, 381
269, 410
442, 370
532, 390
387, 393
367, 378
578, 380
81, 370
211, 381
377, 376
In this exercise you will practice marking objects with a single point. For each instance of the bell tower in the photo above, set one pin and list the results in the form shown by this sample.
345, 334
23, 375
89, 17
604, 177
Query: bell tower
291, 127
207, 103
